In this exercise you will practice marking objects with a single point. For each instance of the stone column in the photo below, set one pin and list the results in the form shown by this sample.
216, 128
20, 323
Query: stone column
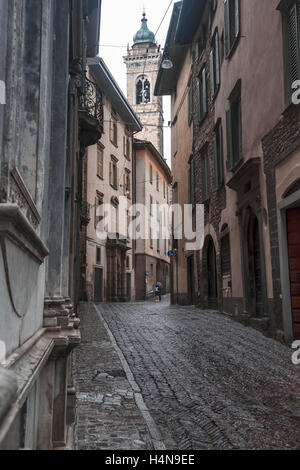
45, 417
59, 431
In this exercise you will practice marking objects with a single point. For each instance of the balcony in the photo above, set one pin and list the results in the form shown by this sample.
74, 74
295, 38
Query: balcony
91, 114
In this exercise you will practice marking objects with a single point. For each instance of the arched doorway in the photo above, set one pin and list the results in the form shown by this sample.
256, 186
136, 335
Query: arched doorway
212, 282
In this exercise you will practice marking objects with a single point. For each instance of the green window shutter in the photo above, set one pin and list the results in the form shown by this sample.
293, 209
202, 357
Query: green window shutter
221, 156
204, 91
199, 101
190, 104
227, 27
217, 59
237, 18
229, 140
240, 129
190, 184
212, 74
217, 180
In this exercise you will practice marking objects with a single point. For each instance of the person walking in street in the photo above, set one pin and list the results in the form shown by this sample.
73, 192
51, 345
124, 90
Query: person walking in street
158, 289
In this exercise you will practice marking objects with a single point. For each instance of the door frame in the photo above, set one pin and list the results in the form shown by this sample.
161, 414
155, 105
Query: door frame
291, 202
191, 279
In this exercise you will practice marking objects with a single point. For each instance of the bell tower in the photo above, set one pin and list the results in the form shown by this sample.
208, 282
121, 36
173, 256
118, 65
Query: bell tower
142, 62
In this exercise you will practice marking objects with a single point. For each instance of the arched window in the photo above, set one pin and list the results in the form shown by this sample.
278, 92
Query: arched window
143, 93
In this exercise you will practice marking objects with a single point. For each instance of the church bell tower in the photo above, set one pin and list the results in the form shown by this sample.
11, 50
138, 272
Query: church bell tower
142, 62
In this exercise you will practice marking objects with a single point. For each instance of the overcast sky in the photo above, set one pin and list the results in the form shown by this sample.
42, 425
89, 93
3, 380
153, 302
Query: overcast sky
121, 19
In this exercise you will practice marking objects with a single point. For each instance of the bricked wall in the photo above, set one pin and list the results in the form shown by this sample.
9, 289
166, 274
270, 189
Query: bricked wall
277, 145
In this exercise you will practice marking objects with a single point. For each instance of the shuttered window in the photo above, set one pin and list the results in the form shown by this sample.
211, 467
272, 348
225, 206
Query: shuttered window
100, 161
225, 255
202, 95
234, 129
191, 182
291, 32
218, 154
215, 66
205, 175
190, 104
232, 24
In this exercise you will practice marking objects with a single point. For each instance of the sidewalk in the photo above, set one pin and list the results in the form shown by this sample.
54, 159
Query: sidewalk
108, 417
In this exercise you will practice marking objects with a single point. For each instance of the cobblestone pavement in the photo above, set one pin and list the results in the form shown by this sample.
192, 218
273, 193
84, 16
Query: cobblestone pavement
208, 382
107, 414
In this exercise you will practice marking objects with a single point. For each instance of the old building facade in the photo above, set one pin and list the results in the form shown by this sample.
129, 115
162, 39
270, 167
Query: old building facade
46, 122
108, 262
245, 156
153, 180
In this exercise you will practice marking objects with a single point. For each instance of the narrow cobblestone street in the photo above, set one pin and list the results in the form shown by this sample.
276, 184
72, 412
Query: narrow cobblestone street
207, 381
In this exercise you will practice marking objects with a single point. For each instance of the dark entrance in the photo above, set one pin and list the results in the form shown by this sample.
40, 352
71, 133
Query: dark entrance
190, 274
212, 276
128, 286
98, 285
255, 268
293, 234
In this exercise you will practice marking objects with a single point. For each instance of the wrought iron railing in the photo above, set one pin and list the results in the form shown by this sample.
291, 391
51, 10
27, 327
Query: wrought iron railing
92, 101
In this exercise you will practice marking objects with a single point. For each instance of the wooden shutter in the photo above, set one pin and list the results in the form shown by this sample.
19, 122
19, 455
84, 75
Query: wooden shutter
217, 59
240, 128
190, 104
221, 155
110, 172
294, 43
212, 74
237, 18
229, 139
204, 91
225, 255
227, 27
216, 158
199, 100
111, 130
125, 146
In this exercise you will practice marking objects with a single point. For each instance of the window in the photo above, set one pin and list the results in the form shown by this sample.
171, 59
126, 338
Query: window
232, 24
175, 148
127, 147
234, 129
98, 255
201, 43
151, 206
113, 173
127, 184
205, 175
151, 174
212, 10
191, 181
98, 209
157, 181
114, 132
100, 161
151, 238
291, 36
143, 94
128, 262
218, 152
202, 95
190, 104
215, 65
225, 255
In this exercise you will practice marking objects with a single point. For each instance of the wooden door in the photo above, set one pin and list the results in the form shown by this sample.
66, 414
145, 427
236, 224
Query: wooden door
293, 234
212, 276
98, 285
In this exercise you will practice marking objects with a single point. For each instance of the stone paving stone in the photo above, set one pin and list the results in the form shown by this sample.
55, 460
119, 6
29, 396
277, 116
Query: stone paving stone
107, 415
208, 382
